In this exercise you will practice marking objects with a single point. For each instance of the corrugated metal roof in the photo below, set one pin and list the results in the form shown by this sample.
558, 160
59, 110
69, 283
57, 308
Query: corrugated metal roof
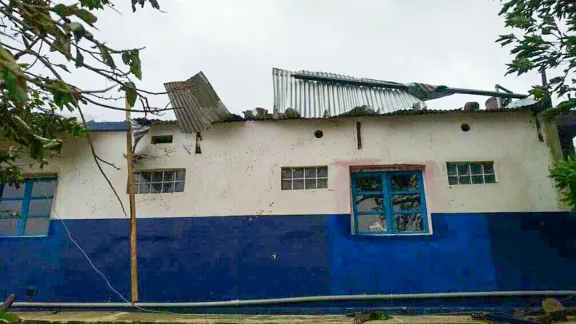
196, 104
529, 101
321, 99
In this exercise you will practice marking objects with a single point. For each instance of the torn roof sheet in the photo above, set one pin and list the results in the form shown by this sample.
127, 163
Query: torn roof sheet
196, 104
315, 99
526, 102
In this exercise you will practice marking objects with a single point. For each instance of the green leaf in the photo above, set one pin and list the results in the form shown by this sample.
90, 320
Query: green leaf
86, 16
93, 4
79, 58
537, 92
154, 4
567, 105
106, 57
61, 44
13, 77
78, 30
131, 94
63, 10
132, 59
63, 67
10, 318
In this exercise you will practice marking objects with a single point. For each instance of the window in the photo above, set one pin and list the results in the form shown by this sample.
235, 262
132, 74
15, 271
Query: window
470, 172
389, 203
305, 178
160, 181
162, 139
25, 211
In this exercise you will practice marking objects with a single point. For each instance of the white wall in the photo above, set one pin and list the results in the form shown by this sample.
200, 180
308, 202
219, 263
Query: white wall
238, 172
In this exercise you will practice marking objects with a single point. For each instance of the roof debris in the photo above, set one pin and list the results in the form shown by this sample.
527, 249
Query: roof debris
196, 104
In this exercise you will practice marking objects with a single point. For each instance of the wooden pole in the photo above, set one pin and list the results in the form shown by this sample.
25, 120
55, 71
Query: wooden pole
131, 193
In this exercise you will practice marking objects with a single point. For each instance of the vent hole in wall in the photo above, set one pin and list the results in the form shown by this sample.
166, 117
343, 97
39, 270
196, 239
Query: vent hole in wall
162, 139
465, 127
318, 134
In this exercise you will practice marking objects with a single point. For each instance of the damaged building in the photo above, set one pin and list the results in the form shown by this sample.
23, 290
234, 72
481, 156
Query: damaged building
347, 192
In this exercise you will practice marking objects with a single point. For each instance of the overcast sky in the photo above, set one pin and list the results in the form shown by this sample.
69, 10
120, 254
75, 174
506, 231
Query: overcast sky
236, 44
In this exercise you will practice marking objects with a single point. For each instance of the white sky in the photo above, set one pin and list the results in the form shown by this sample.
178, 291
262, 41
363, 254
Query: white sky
236, 44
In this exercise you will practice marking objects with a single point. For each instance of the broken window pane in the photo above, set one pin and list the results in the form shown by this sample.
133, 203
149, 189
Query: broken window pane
371, 223
408, 222
373, 183
13, 192
369, 203
404, 182
452, 180
322, 183
406, 203
10, 208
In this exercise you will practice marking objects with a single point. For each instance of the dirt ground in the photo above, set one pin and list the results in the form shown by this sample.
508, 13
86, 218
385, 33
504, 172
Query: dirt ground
145, 318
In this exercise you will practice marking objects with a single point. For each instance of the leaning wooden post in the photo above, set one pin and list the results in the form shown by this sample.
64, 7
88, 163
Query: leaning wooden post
131, 193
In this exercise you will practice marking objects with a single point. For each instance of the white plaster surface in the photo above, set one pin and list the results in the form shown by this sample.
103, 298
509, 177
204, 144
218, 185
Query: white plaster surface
238, 172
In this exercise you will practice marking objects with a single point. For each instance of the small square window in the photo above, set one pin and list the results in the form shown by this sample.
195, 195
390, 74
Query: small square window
470, 173
304, 178
161, 181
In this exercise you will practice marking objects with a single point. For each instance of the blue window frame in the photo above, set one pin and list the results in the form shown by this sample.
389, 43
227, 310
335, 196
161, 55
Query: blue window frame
25, 211
389, 203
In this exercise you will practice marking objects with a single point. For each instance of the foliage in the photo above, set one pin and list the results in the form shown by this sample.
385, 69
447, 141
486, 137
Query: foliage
8, 318
41, 35
564, 173
545, 40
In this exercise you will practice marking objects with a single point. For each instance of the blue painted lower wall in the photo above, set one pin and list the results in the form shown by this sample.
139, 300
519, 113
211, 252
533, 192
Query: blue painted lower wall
253, 257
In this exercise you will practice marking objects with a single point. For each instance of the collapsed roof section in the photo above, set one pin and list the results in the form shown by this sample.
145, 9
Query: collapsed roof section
321, 95
318, 94
196, 104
